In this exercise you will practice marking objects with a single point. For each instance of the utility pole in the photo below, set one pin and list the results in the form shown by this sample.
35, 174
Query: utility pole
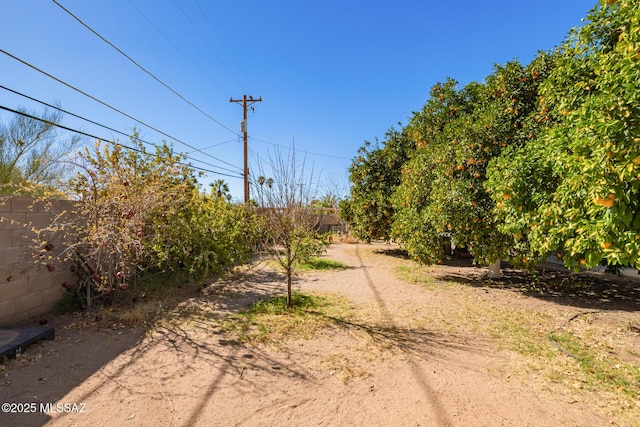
246, 102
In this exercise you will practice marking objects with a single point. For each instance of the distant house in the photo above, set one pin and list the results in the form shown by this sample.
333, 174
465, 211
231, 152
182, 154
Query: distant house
329, 221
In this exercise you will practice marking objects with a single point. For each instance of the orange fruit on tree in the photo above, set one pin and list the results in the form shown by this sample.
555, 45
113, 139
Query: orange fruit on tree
607, 202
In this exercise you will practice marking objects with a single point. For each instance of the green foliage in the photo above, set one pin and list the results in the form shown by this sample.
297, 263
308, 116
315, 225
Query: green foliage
578, 183
375, 173
458, 132
140, 213
278, 305
31, 155
316, 263
206, 237
538, 159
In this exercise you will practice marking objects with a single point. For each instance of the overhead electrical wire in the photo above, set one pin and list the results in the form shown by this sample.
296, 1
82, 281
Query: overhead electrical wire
204, 15
107, 127
144, 69
114, 108
204, 39
178, 48
260, 159
301, 151
251, 85
224, 46
219, 143
79, 132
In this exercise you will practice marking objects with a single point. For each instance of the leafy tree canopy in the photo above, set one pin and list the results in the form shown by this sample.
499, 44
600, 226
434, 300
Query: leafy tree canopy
574, 189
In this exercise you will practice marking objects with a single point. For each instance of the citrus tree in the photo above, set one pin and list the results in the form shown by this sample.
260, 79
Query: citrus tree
415, 223
458, 132
573, 191
375, 174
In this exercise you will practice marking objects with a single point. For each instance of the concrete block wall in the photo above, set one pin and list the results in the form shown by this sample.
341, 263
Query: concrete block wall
28, 287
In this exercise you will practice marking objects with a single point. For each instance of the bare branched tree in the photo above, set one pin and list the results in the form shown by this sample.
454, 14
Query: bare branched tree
334, 190
288, 217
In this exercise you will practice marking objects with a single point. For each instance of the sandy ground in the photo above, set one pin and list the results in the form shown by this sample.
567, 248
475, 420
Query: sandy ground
404, 363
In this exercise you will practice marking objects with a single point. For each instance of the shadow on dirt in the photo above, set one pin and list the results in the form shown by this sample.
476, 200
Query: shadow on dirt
418, 342
392, 251
586, 289
94, 353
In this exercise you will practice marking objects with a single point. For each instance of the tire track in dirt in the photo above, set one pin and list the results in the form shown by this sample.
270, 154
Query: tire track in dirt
430, 393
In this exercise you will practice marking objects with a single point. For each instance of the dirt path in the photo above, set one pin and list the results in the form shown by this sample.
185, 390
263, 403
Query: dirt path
401, 359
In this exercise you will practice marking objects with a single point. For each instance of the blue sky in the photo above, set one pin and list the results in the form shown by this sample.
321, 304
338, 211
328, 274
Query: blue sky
332, 74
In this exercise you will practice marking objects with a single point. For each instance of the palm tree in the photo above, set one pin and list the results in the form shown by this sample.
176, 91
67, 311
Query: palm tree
261, 181
220, 189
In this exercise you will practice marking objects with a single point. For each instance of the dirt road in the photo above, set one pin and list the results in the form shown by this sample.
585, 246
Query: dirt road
405, 356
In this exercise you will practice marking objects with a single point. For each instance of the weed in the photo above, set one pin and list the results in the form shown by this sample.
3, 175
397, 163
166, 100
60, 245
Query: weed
271, 321
601, 372
321, 264
421, 275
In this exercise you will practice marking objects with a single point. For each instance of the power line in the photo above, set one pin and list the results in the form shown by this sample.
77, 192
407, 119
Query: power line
204, 39
246, 102
79, 132
267, 118
144, 69
105, 126
302, 151
114, 108
178, 48
224, 46
220, 143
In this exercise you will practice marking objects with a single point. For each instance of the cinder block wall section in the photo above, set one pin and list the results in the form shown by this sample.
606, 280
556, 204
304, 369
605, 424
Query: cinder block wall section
28, 287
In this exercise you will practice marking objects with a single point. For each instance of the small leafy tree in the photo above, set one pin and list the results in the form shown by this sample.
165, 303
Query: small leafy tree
288, 218
31, 153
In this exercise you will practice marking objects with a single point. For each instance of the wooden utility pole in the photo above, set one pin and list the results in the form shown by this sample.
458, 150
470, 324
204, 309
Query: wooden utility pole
246, 102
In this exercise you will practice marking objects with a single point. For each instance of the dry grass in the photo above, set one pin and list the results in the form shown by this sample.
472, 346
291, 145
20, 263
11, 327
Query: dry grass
559, 349
344, 368
589, 354
267, 321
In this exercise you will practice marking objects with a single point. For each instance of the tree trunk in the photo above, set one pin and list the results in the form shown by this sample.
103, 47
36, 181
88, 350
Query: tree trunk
289, 273
494, 269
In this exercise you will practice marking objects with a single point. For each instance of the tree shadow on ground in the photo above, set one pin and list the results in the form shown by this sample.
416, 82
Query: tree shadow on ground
551, 282
591, 290
93, 351
393, 252
414, 341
